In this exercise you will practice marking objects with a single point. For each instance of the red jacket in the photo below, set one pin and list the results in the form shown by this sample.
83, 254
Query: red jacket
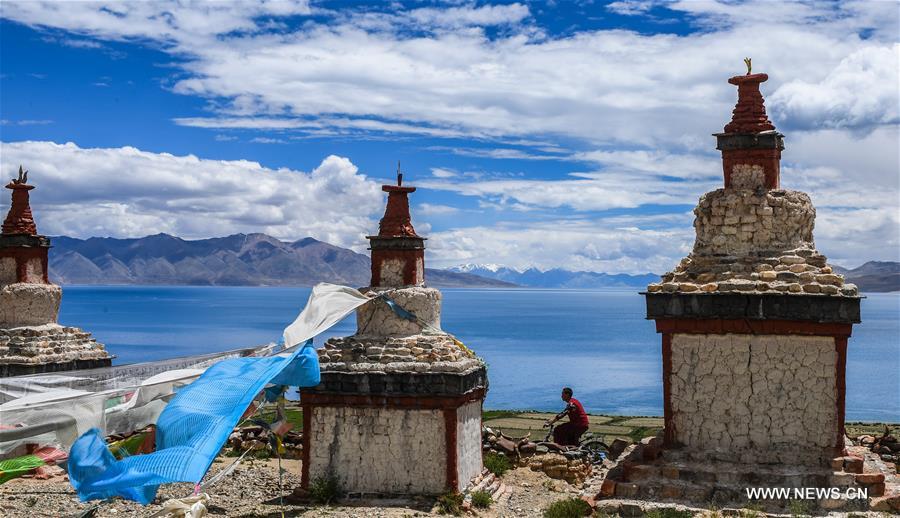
576, 413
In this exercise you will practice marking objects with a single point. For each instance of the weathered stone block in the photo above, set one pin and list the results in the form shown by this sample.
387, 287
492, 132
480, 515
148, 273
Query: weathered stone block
24, 304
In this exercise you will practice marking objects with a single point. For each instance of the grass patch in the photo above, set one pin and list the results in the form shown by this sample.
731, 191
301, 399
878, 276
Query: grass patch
496, 463
798, 508
668, 513
568, 508
498, 414
325, 489
636, 434
450, 503
293, 416
481, 499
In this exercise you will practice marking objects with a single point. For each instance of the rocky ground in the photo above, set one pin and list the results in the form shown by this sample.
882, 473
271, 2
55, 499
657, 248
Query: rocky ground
253, 489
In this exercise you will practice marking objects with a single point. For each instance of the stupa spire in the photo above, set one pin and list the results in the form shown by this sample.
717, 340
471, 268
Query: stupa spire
19, 219
751, 148
398, 253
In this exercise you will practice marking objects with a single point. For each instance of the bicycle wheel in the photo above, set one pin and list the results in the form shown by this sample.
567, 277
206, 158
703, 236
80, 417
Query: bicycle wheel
595, 450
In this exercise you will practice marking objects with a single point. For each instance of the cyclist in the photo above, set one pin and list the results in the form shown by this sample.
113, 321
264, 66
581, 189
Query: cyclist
568, 434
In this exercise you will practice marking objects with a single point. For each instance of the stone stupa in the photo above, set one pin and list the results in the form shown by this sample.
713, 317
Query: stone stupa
31, 340
398, 411
754, 326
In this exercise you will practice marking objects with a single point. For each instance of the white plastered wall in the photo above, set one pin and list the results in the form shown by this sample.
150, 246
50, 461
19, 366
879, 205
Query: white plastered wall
755, 398
468, 443
378, 450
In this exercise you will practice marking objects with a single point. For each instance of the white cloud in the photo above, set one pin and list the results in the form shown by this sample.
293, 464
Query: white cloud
630, 7
439, 172
267, 140
467, 16
431, 209
590, 245
363, 71
178, 24
640, 107
834, 102
853, 236
592, 192
126, 192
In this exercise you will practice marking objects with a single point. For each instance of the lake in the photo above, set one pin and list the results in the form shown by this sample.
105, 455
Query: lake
534, 341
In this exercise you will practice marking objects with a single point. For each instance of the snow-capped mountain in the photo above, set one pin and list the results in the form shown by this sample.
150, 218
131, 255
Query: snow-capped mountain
557, 277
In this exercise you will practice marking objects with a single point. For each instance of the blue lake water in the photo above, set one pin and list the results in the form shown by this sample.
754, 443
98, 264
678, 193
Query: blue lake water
534, 341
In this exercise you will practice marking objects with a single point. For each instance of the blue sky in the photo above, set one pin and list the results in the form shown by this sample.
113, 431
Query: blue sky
573, 134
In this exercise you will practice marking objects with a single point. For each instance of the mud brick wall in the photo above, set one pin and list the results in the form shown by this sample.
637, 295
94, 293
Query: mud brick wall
755, 398
380, 450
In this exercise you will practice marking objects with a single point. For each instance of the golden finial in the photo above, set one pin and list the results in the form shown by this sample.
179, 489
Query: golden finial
23, 177
749, 66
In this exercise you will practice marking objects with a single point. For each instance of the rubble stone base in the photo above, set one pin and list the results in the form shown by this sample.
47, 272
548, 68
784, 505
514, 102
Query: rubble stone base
49, 348
651, 474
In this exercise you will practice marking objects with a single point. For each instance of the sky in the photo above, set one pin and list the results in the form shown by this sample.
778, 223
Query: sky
573, 134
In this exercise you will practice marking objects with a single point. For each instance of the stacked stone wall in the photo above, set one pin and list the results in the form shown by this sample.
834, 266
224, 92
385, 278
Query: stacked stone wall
380, 450
33, 349
754, 241
755, 398
744, 221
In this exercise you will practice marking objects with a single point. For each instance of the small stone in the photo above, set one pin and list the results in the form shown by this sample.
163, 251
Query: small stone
795, 288
768, 275
654, 288
849, 290
687, 287
870, 478
797, 268
829, 278
791, 259
812, 288
830, 290
709, 287
853, 464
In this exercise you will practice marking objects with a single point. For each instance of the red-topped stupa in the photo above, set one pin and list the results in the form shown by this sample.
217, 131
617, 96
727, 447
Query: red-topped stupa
31, 341
750, 138
399, 378
398, 253
755, 327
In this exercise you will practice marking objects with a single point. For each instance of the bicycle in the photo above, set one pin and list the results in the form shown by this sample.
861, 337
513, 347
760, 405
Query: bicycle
589, 445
